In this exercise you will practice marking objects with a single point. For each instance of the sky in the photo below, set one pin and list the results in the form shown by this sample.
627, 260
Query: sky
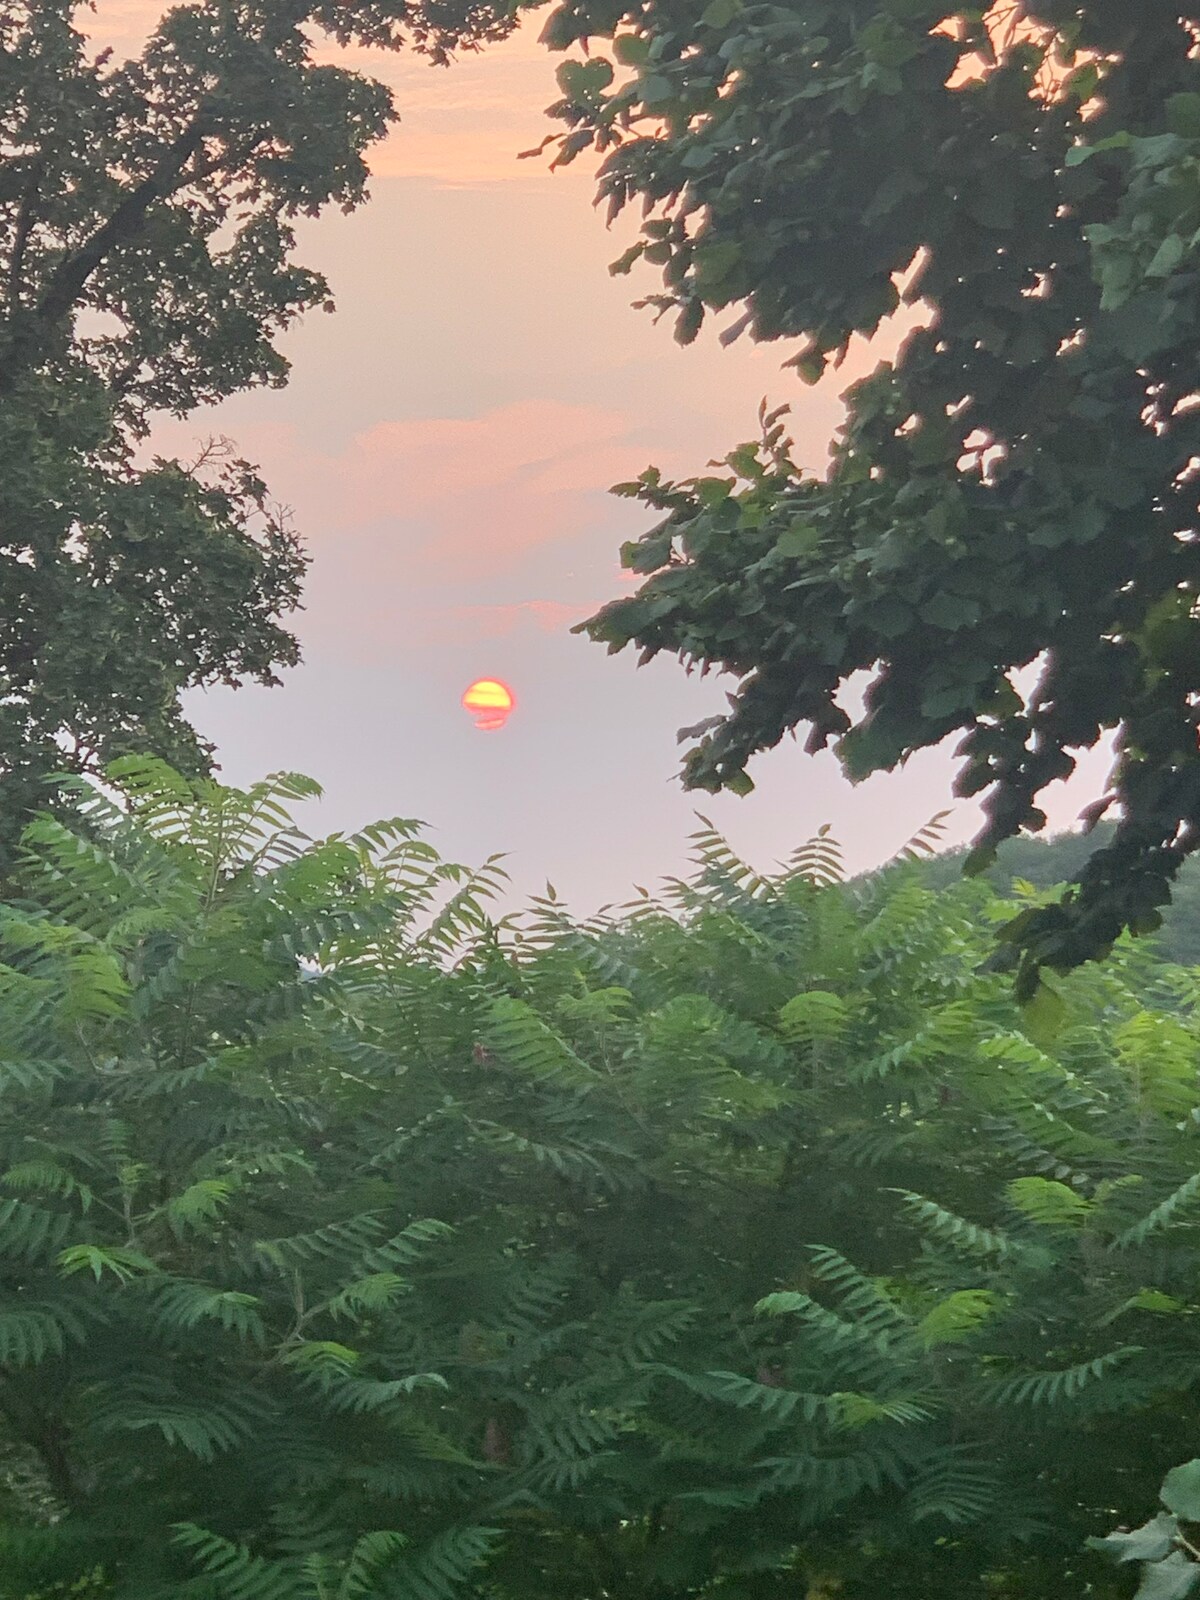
446, 444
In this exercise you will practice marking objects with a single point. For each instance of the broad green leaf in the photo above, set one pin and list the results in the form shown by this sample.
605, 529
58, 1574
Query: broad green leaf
1044, 1015
1167, 257
1170, 1579
1181, 1491
1155, 1300
720, 13
797, 541
631, 49
1150, 1542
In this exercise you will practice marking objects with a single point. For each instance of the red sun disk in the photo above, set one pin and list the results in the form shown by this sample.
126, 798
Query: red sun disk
490, 702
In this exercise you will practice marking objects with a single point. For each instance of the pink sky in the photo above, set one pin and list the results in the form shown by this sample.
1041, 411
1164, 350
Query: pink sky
446, 442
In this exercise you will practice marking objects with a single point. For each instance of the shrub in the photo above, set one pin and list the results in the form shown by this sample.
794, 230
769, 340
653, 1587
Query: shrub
356, 1242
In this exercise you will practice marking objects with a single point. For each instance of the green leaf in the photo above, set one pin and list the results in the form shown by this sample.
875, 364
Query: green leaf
814, 1015
1171, 1579
1181, 1491
582, 79
1150, 1542
950, 612
712, 263
1044, 1014
978, 860
200, 1204
1183, 115
631, 49
1084, 152
957, 1317
120, 1261
1167, 257
798, 540
711, 491
1048, 1202
1155, 1300
656, 90
1083, 82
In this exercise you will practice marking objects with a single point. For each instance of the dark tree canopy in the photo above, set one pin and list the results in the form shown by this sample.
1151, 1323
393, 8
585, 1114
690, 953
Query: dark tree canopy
1018, 488
146, 213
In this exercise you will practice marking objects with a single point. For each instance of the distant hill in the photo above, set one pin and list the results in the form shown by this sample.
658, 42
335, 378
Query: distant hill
1055, 860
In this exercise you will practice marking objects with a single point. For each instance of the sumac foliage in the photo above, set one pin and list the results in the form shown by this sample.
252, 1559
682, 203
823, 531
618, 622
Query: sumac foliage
355, 1241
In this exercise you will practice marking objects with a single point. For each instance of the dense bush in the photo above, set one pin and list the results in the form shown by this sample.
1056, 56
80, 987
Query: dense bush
744, 1242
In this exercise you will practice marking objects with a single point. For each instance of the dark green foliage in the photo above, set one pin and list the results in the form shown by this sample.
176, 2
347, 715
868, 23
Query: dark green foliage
1050, 863
147, 210
1164, 1547
1043, 861
1018, 485
743, 1242
205, 1228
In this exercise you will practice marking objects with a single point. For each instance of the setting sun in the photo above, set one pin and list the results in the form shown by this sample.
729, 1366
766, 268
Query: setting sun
489, 701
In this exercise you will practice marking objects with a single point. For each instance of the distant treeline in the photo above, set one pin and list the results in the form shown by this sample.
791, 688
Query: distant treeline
1047, 862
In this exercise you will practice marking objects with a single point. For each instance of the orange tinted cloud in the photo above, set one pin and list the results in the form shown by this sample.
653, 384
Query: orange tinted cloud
459, 496
420, 530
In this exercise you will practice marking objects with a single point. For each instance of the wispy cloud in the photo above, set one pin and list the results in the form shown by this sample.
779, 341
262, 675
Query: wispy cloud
433, 529
455, 496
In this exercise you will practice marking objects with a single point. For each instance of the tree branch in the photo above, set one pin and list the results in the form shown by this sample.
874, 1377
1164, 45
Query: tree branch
70, 277
23, 230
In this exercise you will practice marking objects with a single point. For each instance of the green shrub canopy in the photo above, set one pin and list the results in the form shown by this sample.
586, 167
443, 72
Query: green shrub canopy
742, 1242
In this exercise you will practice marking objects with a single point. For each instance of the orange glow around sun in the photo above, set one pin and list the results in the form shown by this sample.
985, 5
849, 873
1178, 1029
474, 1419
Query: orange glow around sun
489, 701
